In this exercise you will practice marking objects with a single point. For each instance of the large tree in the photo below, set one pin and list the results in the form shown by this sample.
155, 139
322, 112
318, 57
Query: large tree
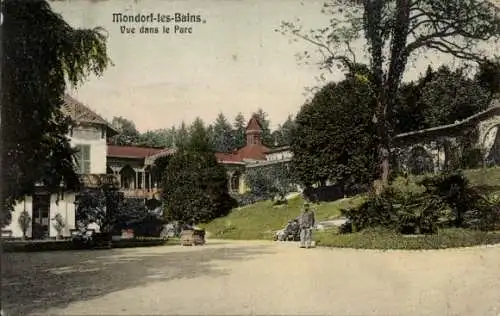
41, 55
333, 139
128, 133
395, 31
195, 185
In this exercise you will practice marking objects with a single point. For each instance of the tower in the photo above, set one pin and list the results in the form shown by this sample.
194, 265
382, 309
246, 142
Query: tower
253, 132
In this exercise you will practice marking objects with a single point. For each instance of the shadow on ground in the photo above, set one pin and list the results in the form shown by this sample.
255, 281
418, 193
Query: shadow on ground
33, 282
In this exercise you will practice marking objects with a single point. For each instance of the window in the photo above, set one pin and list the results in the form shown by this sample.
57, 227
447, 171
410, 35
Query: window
83, 159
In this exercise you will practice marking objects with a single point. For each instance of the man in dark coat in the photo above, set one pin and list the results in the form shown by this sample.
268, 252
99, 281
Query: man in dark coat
307, 221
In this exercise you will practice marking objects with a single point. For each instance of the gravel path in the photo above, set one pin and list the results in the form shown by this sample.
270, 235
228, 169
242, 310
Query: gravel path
246, 278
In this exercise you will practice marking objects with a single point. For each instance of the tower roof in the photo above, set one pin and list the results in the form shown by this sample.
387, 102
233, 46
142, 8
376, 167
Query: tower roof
254, 124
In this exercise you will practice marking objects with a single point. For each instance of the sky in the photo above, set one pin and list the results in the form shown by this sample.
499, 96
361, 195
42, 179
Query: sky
232, 62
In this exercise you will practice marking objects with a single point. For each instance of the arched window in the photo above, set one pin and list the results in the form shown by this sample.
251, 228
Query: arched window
127, 177
235, 182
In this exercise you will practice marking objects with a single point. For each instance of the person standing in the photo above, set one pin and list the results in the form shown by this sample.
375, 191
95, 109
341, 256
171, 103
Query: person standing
307, 221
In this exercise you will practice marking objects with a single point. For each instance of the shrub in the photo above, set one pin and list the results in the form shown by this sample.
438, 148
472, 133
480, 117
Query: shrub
382, 239
134, 214
445, 200
24, 222
59, 224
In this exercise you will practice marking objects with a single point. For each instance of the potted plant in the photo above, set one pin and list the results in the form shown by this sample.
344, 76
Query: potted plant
24, 222
59, 225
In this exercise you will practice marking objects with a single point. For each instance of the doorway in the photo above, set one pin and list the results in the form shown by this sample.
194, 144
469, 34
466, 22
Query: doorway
41, 211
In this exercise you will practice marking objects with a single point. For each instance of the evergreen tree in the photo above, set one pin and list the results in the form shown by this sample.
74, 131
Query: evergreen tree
262, 116
199, 140
210, 134
181, 135
223, 135
239, 131
284, 134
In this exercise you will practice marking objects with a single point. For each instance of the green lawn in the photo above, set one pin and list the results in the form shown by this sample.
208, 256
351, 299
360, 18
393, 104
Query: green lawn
446, 238
487, 179
260, 220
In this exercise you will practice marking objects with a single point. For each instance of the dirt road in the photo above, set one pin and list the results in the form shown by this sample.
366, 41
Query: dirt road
246, 278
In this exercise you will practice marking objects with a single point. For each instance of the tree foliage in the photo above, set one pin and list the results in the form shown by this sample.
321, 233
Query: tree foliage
283, 135
262, 116
113, 213
222, 137
41, 54
334, 136
195, 185
395, 31
128, 134
488, 77
239, 131
270, 181
440, 97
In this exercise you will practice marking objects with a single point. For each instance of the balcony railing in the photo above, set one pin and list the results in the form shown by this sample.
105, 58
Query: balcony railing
141, 193
99, 180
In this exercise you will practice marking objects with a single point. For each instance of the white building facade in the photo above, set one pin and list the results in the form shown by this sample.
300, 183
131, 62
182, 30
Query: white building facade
88, 136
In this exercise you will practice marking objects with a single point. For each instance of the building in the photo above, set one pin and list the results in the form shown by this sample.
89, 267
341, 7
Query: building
426, 150
88, 135
253, 155
133, 166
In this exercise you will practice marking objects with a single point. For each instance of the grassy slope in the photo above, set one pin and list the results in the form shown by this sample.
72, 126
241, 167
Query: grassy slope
260, 220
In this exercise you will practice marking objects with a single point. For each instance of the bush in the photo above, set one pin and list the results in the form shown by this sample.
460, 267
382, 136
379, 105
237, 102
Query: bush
134, 214
445, 201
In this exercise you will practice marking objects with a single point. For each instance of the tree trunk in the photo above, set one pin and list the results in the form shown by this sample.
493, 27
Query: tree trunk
380, 120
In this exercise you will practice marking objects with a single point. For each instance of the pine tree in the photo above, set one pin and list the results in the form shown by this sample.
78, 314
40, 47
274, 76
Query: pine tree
199, 140
262, 116
181, 135
239, 131
223, 137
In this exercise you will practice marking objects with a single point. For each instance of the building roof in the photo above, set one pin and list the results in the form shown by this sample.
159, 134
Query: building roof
249, 152
135, 152
254, 124
449, 130
83, 114
278, 149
